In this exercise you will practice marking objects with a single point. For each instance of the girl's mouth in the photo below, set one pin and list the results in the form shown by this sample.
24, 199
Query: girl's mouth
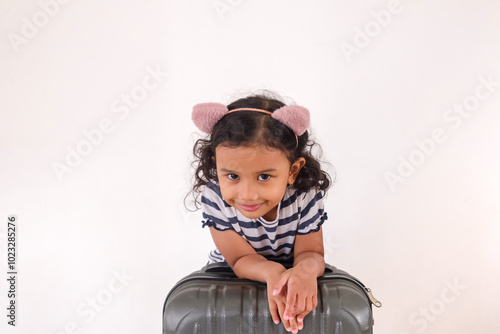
250, 208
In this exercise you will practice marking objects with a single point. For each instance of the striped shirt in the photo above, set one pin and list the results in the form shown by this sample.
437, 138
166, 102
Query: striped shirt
299, 212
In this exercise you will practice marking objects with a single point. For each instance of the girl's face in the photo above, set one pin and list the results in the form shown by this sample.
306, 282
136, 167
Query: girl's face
253, 179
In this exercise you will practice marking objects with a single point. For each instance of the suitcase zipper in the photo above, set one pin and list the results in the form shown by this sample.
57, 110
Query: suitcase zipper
372, 298
367, 290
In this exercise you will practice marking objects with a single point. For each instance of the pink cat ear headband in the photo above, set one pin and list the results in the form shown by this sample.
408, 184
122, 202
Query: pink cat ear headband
206, 115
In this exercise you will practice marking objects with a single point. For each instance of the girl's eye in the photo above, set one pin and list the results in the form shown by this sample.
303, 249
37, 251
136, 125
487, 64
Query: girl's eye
264, 177
233, 177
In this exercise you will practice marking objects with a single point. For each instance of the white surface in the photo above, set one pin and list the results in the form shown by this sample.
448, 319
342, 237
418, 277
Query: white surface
120, 212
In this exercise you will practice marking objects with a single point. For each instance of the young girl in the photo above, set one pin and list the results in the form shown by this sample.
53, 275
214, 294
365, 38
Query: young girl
262, 197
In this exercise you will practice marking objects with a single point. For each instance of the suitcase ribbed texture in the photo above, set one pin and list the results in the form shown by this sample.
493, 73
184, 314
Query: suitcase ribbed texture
217, 303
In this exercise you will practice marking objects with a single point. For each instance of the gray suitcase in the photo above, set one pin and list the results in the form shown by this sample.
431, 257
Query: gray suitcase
214, 301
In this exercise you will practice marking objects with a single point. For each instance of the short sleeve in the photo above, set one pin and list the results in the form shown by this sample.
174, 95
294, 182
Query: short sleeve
213, 208
312, 213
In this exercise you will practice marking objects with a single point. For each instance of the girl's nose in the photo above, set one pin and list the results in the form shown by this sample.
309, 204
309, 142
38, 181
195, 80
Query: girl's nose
247, 192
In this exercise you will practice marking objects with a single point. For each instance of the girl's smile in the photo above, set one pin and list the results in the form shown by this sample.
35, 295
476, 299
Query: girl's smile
253, 179
250, 208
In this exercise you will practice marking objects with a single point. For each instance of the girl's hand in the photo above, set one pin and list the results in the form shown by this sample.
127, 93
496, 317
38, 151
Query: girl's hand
301, 289
277, 305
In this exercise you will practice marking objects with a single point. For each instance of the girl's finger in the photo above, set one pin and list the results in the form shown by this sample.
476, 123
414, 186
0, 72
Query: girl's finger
273, 309
286, 323
294, 326
300, 320
300, 305
314, 301
308, 308
291, 300
301, 317
309, 305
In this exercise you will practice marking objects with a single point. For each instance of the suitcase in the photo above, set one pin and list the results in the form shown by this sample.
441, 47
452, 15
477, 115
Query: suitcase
214, 301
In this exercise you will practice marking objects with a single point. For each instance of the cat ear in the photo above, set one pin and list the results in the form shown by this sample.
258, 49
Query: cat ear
206, 115
295, 117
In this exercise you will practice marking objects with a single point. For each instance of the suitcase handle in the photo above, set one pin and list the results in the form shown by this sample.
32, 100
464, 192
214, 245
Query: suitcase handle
219, 267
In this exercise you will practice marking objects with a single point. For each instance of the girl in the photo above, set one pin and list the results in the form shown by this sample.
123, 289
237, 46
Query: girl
262, 197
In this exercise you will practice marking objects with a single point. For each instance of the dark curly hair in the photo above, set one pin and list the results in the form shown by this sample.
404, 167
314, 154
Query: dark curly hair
246, 128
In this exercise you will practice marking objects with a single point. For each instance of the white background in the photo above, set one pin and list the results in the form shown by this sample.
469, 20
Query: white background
119, 211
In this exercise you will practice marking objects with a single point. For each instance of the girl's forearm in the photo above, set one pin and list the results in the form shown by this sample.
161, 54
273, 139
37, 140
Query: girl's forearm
257, 268
311, 262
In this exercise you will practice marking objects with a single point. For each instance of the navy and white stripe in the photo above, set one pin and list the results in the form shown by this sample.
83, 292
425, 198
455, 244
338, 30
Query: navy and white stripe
299, 213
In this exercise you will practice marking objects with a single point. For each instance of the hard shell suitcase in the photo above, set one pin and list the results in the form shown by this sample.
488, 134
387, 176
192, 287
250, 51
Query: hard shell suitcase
214, 301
